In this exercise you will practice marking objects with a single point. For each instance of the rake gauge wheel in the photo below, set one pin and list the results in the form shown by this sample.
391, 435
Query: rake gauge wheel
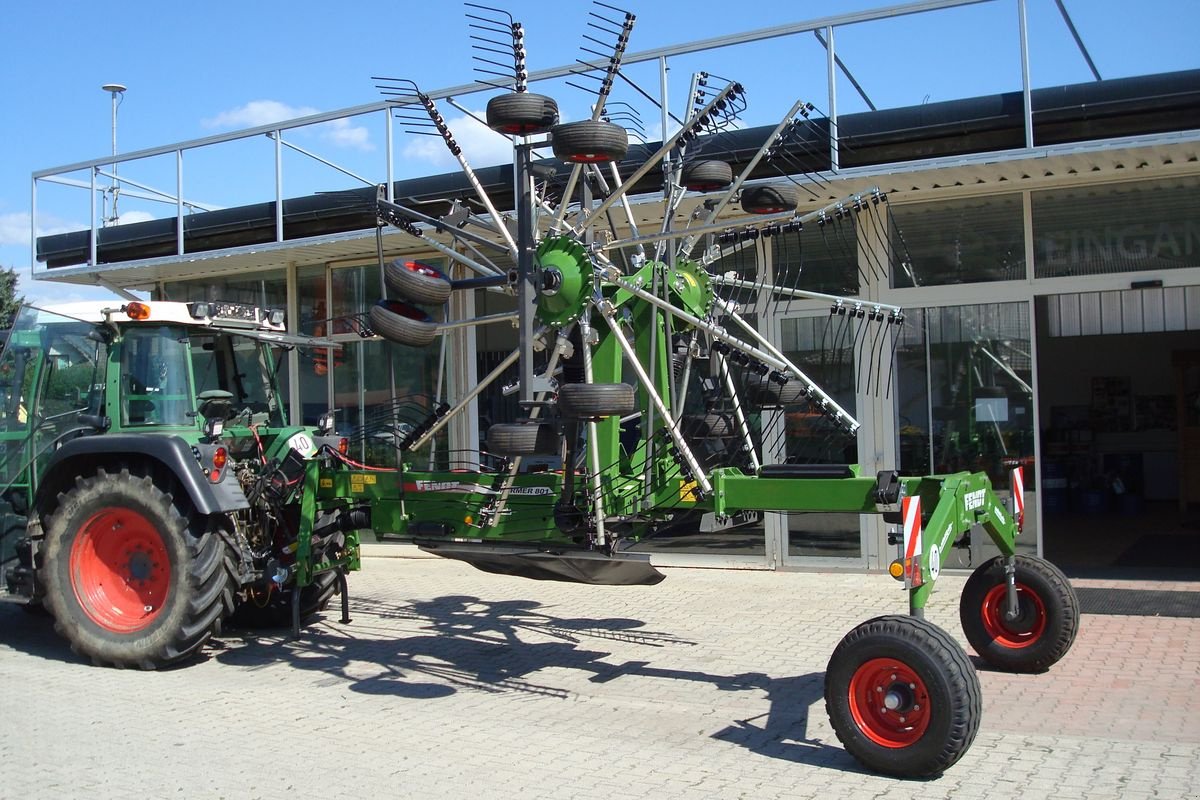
402, 323
706, 176
589, 142
417, 282
523, 439
521, 113
596, 400
769, 199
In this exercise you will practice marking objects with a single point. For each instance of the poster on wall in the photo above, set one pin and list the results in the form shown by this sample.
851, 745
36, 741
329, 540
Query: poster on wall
1112, 404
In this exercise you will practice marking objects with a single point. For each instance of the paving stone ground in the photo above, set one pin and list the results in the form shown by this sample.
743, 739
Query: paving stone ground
451, 683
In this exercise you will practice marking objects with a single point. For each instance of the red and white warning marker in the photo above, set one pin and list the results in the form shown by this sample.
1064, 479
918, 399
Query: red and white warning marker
1017, 478
910, 507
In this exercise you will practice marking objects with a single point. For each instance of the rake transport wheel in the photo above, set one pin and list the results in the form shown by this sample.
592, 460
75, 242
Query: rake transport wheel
596, 400
523, 439
589, 141
416, 282
767, 393
769, 199
521, 113
903, 697
706, 176
1047, 615
402, 323
128, 584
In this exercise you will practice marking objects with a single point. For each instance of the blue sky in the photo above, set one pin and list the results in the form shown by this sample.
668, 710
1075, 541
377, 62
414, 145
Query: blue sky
196, 69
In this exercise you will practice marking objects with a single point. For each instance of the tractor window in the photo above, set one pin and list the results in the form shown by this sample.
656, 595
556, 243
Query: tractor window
154, 378
241, 366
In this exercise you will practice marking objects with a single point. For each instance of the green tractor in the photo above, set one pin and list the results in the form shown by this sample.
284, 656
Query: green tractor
150, 485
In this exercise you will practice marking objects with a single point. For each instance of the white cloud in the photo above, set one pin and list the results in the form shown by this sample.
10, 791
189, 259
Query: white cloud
130, 217
338, 132
482, 146
14, 227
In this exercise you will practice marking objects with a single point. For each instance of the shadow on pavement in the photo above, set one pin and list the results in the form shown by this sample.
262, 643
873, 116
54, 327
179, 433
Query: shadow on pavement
499, 646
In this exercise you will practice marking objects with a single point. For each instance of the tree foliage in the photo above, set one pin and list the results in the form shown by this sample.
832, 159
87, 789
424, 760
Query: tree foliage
10, 301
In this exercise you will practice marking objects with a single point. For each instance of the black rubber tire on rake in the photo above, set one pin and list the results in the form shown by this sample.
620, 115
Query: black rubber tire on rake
773, 199
706, 176
903, 697
402, 323
766, 393
1047, 619
521, 113
596, 400
589, 141
417, 282
523, 439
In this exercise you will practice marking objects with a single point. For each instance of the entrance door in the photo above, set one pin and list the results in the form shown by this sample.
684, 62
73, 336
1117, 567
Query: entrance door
1187, 405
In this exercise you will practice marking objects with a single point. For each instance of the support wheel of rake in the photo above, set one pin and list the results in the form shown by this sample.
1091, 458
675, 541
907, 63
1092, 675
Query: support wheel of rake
903, 697
521, 113
416, 282
1047, 615
706, 176
523, 439
589, 141
766, 393
128, 583
769, 199
596, 400
402, 323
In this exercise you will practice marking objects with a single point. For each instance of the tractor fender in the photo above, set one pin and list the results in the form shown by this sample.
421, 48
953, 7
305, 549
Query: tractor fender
113, 451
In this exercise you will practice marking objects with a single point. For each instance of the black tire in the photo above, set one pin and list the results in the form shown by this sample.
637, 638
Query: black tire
276, 611
901, 661
706, 176
589, 141
521, 113
523, 439
596, 400
402, 323
417, 282
128, 584
1045, 627
702, 426
769, 199
763, 392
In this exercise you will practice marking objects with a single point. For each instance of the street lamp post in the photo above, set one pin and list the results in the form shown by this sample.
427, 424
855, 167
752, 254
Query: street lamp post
117, 91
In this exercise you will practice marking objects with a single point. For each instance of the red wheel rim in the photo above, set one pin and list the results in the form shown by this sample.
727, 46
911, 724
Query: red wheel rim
588, 158
889, 702
1029, 625
120, 570
422, 269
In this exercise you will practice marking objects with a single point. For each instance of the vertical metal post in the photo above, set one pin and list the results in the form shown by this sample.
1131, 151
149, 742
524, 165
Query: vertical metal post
831, 71
94, 234
390, 165
178, 202
277, 135
1026, 90
526, 290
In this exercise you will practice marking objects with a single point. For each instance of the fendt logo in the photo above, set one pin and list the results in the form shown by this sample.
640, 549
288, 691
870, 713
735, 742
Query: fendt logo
974, 500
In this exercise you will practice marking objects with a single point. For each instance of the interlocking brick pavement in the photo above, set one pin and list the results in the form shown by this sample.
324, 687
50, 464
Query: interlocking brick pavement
453, 683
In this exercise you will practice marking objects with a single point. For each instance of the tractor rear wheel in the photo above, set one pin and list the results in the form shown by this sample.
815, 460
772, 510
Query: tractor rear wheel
276, 610
128, 584
1047, 615
903, 697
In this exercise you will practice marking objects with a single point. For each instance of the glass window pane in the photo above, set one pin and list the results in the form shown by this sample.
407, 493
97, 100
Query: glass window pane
820, 258
155, 378
266, 289
810, 437
1128, 227
965, 401
943, 242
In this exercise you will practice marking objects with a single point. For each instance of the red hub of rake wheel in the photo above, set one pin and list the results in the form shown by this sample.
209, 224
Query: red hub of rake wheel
1026, 629
422, 269
120, 570
889, 702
